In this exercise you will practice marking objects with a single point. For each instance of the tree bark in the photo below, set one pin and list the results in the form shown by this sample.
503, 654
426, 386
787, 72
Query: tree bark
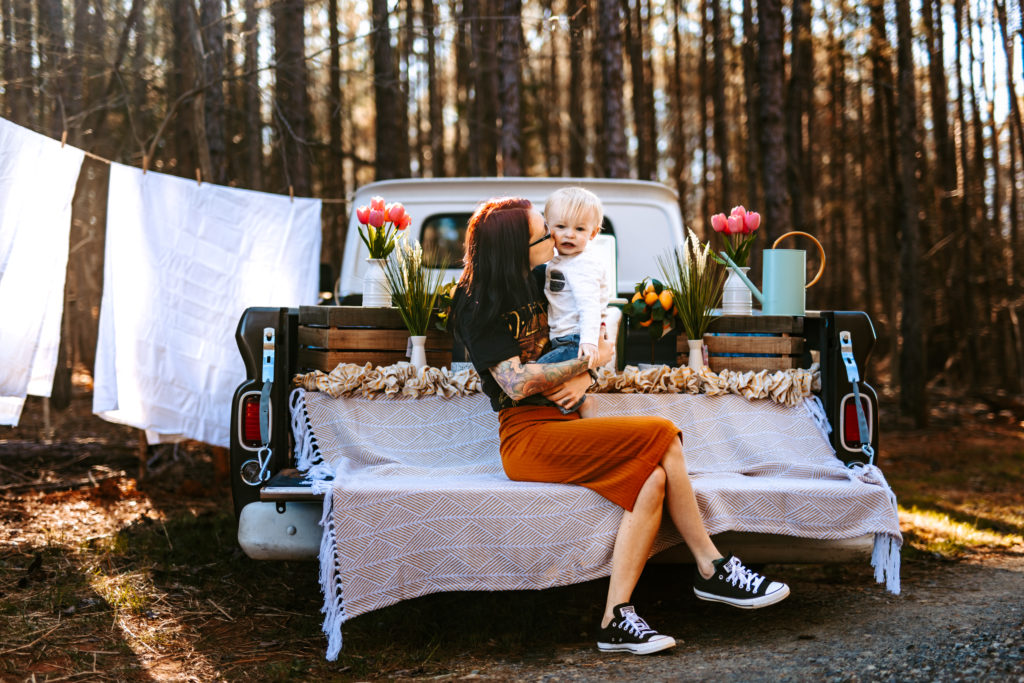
680, 167
7, 55
773, 136
251, 97
211, 17
610, 22
912, 362
721, 116
486, 86
750, 99
510, 49
291, 100
22, 100
384, 93
435, 91
578, 17
54, 60
798, 113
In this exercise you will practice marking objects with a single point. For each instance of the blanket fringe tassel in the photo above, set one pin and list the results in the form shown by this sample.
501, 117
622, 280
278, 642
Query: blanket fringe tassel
885, 558
330, 583
307, 455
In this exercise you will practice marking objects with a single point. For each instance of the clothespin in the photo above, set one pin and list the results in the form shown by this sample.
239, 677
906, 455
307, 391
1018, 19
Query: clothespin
199, 176
63, 138
145, 163
291, 193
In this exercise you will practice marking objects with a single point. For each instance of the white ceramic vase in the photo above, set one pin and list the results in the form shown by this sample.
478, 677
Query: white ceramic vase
418, 351
375, 284
696, 362
736, 297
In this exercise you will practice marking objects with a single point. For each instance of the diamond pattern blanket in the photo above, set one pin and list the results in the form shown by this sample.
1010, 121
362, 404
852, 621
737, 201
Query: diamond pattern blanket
416, 501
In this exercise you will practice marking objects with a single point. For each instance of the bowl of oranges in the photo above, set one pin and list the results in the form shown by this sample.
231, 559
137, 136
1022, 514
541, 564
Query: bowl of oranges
653, 307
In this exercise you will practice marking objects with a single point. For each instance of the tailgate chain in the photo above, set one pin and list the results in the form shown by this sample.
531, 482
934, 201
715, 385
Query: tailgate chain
853, 376
256, 471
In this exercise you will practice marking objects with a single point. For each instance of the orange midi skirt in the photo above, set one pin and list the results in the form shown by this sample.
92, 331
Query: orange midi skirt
613, 456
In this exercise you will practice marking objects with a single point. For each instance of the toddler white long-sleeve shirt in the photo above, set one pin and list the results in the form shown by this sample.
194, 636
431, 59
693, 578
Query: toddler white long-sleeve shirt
577, 290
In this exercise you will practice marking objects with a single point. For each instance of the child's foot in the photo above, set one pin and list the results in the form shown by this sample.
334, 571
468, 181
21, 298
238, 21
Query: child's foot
735, 585
628, 632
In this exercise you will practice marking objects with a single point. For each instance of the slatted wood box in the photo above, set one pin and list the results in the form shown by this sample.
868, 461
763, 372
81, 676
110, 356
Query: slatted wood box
329, 335
755, 343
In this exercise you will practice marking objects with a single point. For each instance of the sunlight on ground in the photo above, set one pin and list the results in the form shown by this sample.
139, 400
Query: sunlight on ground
937, 532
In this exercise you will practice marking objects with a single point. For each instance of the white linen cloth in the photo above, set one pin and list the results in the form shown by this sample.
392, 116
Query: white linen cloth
183, 261
419, 502
37, 184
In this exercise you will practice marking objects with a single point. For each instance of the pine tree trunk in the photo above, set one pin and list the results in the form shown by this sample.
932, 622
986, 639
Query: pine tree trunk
384, 92
680, 167
610, 41
251, 98
798, 105
509, 57
463, 77
726, 197
402, 104
578, 16
22, 99
435, 93
7, 55
487, 85
54, 60
753, 127
773, 137
703, 97
912, 362
211, 17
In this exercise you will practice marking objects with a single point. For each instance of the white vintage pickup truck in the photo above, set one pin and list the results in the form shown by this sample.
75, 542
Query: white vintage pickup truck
279, 513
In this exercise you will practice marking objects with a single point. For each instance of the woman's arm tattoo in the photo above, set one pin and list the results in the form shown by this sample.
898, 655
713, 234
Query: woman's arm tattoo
519, 381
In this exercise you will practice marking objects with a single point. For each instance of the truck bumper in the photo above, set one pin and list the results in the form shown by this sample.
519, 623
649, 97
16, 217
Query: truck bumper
294, 534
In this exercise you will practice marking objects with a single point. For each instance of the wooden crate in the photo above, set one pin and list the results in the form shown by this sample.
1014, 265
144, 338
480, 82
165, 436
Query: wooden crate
329, 335
751, 343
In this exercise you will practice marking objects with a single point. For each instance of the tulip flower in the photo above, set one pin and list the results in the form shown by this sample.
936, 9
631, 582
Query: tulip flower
739, 226
382, 224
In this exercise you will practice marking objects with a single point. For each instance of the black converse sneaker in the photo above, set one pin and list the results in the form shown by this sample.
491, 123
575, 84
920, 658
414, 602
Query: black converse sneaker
627, 631
735, 585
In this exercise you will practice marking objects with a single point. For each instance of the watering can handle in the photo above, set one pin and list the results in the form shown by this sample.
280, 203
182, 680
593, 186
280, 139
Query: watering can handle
821, 251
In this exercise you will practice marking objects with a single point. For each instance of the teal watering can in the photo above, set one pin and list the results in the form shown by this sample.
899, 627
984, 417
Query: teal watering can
784, 274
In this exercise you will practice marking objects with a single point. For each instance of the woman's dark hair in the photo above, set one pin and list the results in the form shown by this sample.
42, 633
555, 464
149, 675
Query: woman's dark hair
496, 276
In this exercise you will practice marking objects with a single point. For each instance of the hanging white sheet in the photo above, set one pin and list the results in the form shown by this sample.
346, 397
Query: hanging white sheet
37, 184
183, 261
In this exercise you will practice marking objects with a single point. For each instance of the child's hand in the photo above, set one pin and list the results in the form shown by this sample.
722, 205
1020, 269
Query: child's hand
589, 351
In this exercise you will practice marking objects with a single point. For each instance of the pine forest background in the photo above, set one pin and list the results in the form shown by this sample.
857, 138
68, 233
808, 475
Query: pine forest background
890, 129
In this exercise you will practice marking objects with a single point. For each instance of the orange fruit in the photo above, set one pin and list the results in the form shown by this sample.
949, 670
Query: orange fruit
647, 323
666, 299
638, 295
649, 288
650, 298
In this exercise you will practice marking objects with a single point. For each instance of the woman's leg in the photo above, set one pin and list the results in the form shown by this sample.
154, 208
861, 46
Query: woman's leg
682, 507
634, 540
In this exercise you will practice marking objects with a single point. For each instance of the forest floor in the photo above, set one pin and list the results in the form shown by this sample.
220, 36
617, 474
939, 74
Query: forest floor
108, 576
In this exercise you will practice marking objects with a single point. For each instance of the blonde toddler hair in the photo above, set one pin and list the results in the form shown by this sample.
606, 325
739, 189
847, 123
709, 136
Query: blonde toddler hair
573, 204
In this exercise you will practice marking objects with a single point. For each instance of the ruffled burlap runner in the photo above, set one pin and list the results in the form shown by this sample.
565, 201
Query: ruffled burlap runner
785, 387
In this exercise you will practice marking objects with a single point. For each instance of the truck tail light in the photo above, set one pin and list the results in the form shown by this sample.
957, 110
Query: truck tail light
251, 421
849, 430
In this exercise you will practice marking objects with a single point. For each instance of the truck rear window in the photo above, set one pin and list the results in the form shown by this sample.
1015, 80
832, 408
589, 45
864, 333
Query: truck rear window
443, 237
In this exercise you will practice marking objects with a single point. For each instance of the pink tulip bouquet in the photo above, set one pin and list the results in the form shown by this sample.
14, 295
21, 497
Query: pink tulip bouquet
739, 228
383, 224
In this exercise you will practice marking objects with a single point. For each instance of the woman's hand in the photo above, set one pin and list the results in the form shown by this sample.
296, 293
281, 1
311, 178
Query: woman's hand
569, 392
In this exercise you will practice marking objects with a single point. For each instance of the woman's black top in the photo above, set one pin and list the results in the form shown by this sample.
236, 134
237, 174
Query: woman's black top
522, 332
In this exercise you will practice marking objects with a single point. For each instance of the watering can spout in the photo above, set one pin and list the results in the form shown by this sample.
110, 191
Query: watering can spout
750, 285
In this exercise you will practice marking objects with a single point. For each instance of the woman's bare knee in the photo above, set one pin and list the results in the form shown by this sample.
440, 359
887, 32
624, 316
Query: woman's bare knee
652, 493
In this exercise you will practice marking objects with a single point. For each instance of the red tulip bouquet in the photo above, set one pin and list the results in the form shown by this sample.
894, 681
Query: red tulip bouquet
382, 223
740, 228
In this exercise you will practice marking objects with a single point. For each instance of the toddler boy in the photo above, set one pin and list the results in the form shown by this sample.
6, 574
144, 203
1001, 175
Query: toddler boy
575, 282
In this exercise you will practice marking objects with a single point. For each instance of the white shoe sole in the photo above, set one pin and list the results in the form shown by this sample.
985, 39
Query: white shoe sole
656, 645
746, 603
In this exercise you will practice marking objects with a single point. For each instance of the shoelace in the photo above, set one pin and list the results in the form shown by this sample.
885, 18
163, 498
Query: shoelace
634, 623
742, 577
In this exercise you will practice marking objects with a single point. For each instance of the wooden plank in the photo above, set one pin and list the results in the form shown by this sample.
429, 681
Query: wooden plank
789, 324
313, 359
783, 345
351, 316
370, 339
745, 363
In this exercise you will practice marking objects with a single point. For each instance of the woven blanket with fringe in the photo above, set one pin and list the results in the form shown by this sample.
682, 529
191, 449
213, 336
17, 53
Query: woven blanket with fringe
416, 502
